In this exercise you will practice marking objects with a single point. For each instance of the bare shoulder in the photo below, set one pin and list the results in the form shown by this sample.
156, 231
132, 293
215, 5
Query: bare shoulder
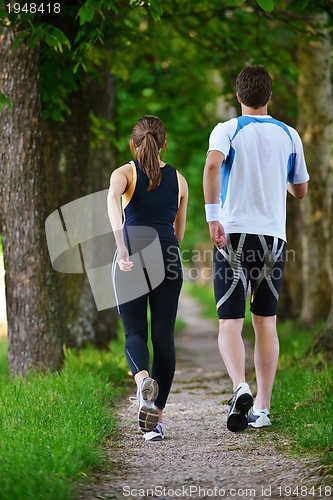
123, 171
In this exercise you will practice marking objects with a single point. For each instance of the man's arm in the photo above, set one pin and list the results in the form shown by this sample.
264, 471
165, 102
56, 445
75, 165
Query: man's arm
212, 188
298, 190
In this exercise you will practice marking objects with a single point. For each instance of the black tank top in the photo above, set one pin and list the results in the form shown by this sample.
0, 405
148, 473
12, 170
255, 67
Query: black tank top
157, 208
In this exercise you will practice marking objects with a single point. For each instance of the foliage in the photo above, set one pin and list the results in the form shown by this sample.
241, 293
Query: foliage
53, 427
183, 81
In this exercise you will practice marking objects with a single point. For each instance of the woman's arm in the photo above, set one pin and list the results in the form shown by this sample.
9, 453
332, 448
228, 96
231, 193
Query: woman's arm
118, 185
180, 220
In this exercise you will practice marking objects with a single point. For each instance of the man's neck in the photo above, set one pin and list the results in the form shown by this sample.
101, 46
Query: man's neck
246, 110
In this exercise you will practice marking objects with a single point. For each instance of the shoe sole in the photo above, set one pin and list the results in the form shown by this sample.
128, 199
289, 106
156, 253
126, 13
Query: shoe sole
149, 389
148, 418
148, 414
244, 402
237, 422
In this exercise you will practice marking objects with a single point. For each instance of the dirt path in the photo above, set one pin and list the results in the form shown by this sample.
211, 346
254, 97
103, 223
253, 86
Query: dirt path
200, 458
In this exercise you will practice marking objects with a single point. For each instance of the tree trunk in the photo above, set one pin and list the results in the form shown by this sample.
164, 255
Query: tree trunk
290, 299
35, 331
103, 160
323, 341
314, 125
75, 168
66, 156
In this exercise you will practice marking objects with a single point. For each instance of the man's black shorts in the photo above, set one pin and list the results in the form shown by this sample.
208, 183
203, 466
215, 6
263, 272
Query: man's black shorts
248, 259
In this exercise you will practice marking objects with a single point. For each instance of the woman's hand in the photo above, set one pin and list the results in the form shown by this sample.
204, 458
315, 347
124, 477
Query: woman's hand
123, 259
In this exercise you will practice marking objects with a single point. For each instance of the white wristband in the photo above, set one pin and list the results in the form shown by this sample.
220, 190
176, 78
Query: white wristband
212, 212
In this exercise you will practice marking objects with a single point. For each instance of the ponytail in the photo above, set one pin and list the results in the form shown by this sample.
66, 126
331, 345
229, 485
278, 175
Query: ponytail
147, 139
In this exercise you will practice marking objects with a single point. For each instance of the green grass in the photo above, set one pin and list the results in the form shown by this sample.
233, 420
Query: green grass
302, 401
53, 427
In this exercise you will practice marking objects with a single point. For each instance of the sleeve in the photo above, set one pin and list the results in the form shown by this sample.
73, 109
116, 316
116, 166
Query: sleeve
300, 172
220, 138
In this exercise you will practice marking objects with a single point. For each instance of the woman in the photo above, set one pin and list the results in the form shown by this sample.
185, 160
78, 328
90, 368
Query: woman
154, 201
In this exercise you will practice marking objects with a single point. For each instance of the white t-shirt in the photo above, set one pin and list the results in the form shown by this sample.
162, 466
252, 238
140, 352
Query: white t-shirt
261, 156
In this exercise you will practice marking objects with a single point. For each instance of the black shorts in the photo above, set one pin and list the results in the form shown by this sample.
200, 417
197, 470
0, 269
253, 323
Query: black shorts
248, 259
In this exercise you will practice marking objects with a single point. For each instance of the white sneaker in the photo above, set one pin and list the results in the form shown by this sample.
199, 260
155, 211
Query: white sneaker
155, 435
146, 396
258, 418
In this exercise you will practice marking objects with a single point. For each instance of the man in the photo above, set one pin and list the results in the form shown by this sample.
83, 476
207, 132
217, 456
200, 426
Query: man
252, 161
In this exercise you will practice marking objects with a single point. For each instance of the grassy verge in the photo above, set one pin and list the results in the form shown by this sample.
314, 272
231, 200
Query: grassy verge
53, 427
302, 402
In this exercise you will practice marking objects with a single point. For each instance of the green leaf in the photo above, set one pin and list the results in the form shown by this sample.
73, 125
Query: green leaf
156, 7
3, 13
61, 37
298, 5
19, 39
4, 101
112, 5
51, 40
86, 13
56, 115
267, 5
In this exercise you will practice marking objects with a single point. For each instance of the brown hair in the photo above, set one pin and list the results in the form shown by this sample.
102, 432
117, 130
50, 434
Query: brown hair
148, 137
254, 86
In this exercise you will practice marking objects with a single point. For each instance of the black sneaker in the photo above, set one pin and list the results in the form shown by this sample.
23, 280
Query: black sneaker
240, 403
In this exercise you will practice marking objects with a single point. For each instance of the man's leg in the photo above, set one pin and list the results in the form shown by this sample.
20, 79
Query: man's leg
232, 349
266, 354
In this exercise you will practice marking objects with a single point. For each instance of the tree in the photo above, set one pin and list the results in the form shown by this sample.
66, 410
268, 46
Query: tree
35, 328
315, 126
33, 309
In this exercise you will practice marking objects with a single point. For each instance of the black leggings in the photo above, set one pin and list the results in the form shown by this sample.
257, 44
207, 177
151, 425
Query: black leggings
163, 302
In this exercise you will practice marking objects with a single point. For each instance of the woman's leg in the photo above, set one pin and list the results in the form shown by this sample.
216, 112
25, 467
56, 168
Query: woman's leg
163, 306
133, 316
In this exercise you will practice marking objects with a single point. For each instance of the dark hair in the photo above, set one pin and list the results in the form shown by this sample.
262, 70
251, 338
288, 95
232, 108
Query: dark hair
148, 137
254, 86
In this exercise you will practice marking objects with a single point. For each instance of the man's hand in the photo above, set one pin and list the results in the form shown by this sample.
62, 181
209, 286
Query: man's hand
123, 259
217, 234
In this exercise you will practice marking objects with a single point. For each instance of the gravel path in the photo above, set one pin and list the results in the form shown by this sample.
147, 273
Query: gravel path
200, 458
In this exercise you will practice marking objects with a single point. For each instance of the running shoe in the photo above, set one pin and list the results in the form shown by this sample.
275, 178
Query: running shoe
146, 395
240, 403
258, 418
155, 435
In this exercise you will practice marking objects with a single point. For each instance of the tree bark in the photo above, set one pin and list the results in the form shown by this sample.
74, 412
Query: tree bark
323, 341
290, 299
76, 167
66, 156
103, 160
35, 331
314, 125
